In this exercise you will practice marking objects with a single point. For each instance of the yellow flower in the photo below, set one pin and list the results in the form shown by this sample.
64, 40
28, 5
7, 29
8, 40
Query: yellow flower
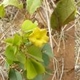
38, 37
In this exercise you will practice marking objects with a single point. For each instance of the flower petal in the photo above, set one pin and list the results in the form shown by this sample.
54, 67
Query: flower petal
39, 36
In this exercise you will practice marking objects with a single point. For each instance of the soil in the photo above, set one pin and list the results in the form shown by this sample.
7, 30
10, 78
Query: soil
68, 56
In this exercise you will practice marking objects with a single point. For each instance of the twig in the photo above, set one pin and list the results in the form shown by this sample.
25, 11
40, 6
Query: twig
77, 56
70, 27
2, 73
4, 35
60, 41
61, 38
41, 16
78, 13
62, 69
48, 23
54, 41
54, 5
56, 68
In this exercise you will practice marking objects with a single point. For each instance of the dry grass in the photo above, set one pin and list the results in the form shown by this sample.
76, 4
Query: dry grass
8, 28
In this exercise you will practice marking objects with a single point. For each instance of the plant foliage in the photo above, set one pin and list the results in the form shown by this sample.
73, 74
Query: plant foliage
32, 5
63, 13
24, 54
28, 53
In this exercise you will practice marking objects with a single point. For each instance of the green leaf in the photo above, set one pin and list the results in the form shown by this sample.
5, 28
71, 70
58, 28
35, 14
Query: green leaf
14, 75
35, 52
17, 40
10, 53
46, 60
47, 50
18, 75
38, 77
15, 3
2, 11
31, 70
10, 62
9, 41
38, 66
21, 57
28, 26
63, 13
32, 5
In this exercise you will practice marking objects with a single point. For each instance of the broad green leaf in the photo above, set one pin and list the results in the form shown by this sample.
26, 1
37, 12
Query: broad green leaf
9, 41
21, 57
17, 39
14, 75
35, 52
45, 59
24, 75
38, 77
18, 75
63, 13
15, 3
2, 11
28, 26
10, 53
32, 5
38, 66
9, 61
47, 50
31, 70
